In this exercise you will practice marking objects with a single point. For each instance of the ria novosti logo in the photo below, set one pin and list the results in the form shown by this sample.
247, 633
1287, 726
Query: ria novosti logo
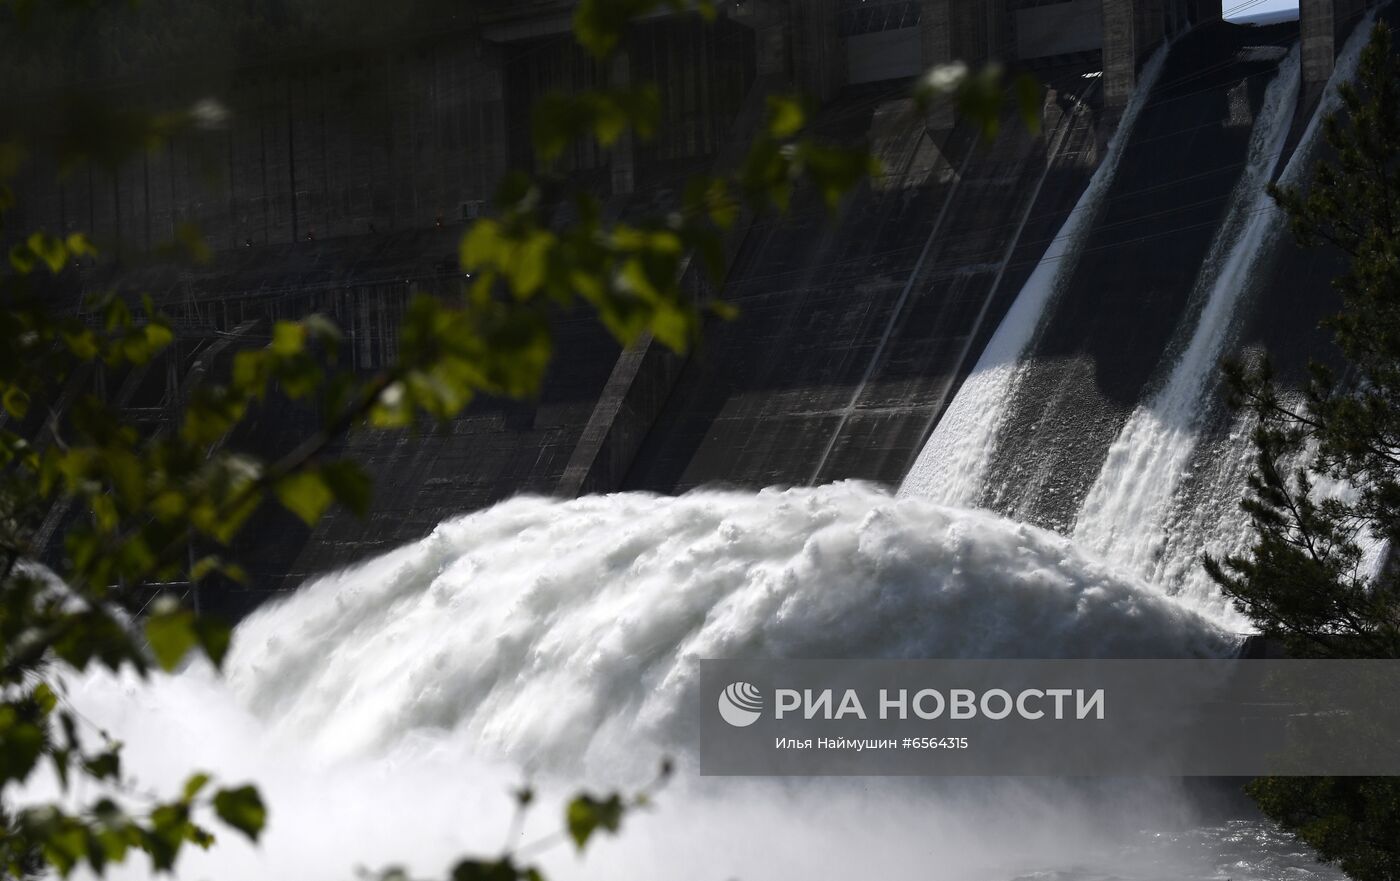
740, 704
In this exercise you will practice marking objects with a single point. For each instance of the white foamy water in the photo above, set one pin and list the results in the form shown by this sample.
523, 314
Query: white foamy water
535, 620
387, 709
431, 796
1125, 514
1137, 513
952, 466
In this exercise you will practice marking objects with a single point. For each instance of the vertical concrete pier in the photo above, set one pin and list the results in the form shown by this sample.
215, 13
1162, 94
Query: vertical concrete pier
1132, 31
936, 46
1120, 46
1325, 26
1315, 21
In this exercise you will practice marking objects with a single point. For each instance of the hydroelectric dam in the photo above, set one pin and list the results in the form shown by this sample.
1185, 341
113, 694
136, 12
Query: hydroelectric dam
1030, 325
973, 412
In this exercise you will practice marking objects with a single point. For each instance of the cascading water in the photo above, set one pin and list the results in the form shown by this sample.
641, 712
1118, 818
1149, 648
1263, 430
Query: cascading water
953, 463
1165, 491
1125, 514
1159, 501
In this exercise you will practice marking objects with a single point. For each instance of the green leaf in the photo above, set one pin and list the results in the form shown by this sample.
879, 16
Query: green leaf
24, 742
306, 495
393, 409
530, 261
288, 338
599, 24
785, 117
299, 376
672, 325
242, 808
158, 336
135, 349
214, 637
46, 699
168, 505
585, 815
83, 344
49, 249
80, 246
106, 765
496, 870
171, 633
94, 634
118, 313
481, 244
128, 475
64, 844
204, 567
250, 372
16, 401
104, 512
22, 259
228, 521
193, 785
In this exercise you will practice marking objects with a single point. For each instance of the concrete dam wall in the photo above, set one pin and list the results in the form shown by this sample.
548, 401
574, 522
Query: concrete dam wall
1107, 422
853, 330
1110, 329
858, 331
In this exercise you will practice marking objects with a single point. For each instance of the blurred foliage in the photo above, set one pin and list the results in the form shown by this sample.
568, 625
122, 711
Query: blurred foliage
981, 96
158, 508
1304, 580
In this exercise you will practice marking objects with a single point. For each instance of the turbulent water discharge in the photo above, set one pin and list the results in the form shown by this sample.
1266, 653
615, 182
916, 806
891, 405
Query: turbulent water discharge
550, 629
388, 709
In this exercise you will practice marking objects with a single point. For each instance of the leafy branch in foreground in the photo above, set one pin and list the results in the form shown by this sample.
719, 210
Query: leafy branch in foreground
162, 507
141, 510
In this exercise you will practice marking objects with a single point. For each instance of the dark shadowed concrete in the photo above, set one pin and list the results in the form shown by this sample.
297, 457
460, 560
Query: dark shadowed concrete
854, 331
